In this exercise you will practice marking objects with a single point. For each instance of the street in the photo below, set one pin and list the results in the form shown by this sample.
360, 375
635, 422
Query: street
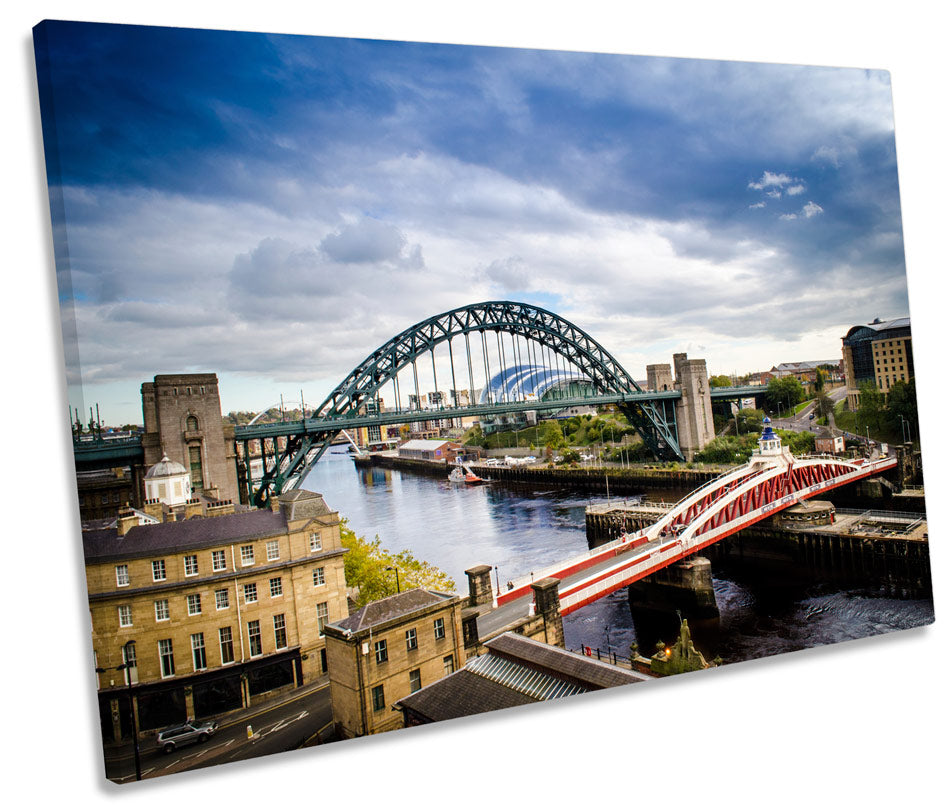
295, 720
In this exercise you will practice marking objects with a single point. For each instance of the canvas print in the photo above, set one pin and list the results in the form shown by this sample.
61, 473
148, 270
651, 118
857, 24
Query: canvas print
414, 381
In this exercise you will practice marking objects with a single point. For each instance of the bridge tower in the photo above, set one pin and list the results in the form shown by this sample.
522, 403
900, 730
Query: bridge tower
183, 421
694, 417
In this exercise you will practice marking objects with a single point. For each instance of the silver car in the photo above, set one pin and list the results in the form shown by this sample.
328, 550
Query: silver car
187, 733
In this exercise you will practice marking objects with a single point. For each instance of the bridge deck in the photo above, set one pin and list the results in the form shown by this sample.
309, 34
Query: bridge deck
599, 572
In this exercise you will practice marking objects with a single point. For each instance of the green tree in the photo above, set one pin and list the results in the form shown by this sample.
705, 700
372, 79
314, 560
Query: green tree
553, 436
819, 380
902, 407
824, 405
870, 412
718, 381
787, 391
365, 568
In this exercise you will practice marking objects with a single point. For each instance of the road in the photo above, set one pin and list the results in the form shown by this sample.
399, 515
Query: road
303, 718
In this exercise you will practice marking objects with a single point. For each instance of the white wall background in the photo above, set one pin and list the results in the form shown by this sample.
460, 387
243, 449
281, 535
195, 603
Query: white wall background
861, 723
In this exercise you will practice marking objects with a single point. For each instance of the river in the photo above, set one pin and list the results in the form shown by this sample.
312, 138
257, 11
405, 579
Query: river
456, 527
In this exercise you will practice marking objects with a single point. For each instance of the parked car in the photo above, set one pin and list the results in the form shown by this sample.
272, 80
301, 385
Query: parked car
191, 731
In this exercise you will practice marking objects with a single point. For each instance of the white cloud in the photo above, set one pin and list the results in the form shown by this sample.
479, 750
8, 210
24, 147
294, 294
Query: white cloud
811, 209
795, 190
770, 179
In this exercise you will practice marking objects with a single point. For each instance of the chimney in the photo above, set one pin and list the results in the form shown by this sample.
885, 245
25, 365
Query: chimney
273, 503
193, 508
127, 520
153, 507
221, 508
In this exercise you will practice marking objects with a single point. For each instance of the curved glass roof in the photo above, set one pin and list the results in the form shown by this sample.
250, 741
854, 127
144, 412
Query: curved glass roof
520, 382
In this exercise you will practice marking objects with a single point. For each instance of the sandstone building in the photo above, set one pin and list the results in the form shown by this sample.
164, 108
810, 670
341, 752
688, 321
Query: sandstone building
215, 608
386, 650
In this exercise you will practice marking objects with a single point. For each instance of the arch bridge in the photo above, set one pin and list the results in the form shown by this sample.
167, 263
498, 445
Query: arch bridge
472, 341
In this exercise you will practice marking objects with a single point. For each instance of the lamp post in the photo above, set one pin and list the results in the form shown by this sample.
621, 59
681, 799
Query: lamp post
127, 666
396, 570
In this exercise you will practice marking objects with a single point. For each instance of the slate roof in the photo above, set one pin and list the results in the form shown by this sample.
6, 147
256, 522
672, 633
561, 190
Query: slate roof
173, 537
425, 445
515, 671
387, 609
577, 668
462, 694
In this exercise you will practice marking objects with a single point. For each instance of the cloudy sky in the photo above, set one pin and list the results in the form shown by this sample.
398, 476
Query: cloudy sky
272, 208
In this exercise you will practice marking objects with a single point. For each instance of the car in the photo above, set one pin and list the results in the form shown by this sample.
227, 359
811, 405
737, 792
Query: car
188, 732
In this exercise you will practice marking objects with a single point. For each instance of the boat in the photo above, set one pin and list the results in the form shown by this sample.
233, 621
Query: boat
462, 473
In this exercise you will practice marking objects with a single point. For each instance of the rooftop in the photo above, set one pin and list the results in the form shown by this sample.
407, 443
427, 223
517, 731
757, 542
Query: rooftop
515, 671
171, 537
388, 609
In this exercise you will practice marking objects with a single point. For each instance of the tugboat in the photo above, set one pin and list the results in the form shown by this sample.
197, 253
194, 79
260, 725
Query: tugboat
462, 473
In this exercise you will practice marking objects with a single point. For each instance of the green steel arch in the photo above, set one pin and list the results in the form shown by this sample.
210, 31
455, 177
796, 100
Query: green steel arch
547, 329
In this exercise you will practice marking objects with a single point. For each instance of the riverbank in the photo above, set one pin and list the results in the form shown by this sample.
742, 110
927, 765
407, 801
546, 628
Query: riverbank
618, 479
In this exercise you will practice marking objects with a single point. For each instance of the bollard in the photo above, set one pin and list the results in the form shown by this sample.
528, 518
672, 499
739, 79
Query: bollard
250, 733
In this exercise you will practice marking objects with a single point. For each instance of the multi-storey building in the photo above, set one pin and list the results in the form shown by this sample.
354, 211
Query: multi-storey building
211, 612
880, 353
388, 649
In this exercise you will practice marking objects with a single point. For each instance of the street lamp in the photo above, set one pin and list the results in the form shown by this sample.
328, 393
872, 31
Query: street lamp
396, 570
127, 666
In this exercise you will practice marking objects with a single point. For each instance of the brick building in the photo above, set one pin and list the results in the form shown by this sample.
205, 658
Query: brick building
215, 608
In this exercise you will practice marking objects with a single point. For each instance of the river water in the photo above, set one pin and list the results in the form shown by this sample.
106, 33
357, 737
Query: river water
517, 530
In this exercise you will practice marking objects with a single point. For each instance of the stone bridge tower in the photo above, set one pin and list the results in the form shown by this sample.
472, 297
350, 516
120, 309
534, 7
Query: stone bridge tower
694, 416
183, 421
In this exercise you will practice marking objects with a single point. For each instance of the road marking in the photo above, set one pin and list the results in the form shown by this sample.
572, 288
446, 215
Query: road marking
283, 723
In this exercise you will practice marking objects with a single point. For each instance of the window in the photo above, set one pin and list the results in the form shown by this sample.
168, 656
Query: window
218, 561
250, 593
382, 655
221, 599
125, 615
439, 627
280, 632
247, 555
273, 550
316, 545
323, 660
411, 642
194, 461
166, 657
276, 587
191, 424
161, 609
227, 645
318, 577
415, 681
131, 674
191, 565
322, 617
122, 575
158, 570
254, 637
198, 651
448, 664
194, 604
379, 698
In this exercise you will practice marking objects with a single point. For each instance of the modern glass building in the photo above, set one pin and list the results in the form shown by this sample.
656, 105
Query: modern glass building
880, 353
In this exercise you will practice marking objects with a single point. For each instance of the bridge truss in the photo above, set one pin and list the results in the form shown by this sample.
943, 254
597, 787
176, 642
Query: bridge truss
502, 333
737, 499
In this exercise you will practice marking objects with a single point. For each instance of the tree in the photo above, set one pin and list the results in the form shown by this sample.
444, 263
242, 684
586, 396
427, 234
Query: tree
901, 407
824, 405
718, 381
819, 380
365, 568
786, 391
870, 409
553, 436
